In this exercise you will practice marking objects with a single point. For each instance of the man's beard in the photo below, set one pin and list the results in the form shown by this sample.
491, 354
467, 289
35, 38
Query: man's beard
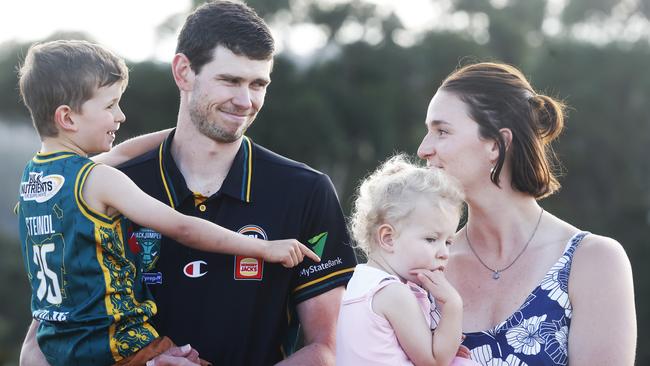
200, 116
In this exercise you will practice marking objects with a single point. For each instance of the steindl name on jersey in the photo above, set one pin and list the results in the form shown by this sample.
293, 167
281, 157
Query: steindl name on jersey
39, 188
249, 268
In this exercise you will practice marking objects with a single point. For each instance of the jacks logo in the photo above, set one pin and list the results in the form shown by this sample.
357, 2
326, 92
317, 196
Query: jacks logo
39, 188
248, 268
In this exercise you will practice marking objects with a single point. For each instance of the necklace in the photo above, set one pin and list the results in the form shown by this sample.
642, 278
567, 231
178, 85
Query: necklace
496, 273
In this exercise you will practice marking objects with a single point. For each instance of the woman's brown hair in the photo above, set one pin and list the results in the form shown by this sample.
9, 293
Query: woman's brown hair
499, 96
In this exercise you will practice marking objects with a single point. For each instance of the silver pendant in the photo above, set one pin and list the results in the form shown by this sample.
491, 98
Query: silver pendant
496, 275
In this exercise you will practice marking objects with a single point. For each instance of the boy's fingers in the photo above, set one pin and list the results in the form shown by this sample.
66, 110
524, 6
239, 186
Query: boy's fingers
294, 258
300, 253
309, 253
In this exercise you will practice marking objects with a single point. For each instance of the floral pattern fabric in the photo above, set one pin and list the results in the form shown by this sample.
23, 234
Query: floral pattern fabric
538, 332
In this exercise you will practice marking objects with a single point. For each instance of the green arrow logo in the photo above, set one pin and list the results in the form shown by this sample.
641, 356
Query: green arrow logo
318, 243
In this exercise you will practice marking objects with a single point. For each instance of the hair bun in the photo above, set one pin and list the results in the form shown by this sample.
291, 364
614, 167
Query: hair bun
548, 115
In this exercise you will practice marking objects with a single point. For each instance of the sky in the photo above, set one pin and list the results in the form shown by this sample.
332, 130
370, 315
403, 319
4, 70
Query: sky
128, 26
125, 26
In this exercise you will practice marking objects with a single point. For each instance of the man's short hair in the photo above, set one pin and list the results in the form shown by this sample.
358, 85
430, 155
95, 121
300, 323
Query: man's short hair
65, 73
232, 25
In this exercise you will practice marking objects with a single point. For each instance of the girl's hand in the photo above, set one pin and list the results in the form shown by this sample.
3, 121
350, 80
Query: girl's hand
463, 352
436, 283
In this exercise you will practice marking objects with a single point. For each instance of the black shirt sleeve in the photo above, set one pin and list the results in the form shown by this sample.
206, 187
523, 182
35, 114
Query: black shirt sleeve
324, 231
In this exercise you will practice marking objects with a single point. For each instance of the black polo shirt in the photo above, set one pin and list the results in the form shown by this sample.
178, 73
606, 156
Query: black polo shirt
236, 310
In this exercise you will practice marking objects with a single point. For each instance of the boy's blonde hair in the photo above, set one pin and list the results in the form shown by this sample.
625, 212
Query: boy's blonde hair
389, 194
68, 73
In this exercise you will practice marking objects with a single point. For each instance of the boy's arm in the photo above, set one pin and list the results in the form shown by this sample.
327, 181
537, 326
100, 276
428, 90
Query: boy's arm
30, 353
107, 187
131, 148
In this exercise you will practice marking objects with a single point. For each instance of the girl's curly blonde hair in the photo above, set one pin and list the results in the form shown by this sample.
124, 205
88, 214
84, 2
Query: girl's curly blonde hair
389, 194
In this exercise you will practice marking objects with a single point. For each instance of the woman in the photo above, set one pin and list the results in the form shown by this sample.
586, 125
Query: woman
536, 290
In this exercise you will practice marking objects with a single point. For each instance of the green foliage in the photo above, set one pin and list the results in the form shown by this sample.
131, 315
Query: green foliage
11, 56
14, 309
151, 100
577, 11
263, 7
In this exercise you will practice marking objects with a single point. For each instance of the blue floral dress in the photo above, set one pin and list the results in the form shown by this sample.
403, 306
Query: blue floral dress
538, 332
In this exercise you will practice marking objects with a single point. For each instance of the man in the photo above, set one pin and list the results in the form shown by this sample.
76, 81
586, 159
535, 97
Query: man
236, 310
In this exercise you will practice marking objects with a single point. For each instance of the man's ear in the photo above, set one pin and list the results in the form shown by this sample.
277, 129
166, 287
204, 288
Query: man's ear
63, 118
182, 72
506, 135
386, 237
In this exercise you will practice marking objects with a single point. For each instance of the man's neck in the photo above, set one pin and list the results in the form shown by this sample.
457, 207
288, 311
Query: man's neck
203, 162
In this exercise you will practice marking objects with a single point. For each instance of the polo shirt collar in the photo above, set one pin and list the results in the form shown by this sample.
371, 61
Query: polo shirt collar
238, 182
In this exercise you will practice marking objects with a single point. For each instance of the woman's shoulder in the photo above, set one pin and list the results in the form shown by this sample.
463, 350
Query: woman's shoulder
600, 264
592, 251
589, 245
597, 250
596, 256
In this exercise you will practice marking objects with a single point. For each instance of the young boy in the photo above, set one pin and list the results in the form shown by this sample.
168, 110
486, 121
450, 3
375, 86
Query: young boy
85, 273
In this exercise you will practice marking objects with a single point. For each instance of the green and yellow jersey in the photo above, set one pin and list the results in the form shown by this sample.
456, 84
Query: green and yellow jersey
85, 275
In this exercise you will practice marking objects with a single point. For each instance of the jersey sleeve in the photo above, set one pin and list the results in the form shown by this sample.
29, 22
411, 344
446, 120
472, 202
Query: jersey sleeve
323, 231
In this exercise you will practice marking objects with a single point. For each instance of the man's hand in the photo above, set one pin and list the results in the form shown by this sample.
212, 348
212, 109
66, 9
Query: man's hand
288, 252
176, 356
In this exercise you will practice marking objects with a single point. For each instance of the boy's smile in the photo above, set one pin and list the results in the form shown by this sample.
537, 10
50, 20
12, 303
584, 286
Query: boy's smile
99, 119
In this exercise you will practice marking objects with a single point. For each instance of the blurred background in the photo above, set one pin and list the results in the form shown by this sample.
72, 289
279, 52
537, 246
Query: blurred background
351, 84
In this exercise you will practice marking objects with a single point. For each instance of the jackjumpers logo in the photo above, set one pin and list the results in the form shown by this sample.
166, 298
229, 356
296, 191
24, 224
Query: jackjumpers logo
248, 268
146, 242
39, 188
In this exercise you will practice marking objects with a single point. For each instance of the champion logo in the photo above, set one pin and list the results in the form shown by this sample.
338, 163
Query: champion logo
195, 269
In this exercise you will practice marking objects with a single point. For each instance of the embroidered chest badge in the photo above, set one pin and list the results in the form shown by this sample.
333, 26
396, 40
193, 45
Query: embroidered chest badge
249, 268
148, 246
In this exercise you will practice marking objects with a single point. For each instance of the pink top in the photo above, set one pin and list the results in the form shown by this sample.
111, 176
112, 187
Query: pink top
364, 337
